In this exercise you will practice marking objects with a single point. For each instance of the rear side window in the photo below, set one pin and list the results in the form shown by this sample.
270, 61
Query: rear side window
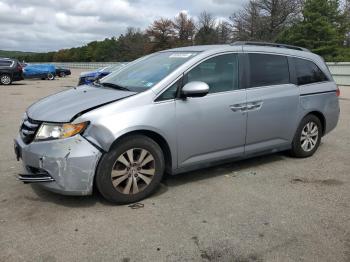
308, 72
5, 63
266, 70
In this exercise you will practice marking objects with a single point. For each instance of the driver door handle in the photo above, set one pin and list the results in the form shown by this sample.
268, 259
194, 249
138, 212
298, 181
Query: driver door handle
238, 107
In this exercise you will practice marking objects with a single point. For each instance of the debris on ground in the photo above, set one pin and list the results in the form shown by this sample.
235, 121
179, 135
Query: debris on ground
329, 182
136, 205
236, 174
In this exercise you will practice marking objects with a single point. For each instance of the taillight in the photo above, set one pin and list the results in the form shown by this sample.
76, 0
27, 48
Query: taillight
337, 92
19, 67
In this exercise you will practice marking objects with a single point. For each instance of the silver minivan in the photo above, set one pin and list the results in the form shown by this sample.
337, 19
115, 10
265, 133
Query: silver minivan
175, 111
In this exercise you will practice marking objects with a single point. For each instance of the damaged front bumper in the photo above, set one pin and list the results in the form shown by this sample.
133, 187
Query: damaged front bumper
66, 166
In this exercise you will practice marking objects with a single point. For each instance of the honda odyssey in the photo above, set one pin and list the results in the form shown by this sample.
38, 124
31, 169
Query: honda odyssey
174, 111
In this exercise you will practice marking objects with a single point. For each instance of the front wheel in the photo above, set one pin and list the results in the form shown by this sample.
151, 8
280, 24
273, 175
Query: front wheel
5, 79
308, 137
50, 76
131, 170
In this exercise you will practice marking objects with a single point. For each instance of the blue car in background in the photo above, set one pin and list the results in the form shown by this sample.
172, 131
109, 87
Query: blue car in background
41, 71
90, 77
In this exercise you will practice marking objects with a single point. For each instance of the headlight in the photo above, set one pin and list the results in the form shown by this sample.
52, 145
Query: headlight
24, 117
49, 131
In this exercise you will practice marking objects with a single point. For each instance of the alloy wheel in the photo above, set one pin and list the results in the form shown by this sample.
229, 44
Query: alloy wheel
5, 80
309, 136
133, 171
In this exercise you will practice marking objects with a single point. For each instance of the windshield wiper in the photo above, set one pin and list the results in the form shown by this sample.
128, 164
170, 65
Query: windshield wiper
114, 86
97, 83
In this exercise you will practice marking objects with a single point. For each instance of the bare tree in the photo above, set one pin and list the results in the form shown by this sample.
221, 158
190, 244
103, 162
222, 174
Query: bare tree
224, 32
184, 28
206, 20
264, 19
161, 33
206, 27
277, 15
246, 23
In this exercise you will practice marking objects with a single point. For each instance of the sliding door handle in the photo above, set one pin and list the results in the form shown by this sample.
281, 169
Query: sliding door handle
254, 105
236, 108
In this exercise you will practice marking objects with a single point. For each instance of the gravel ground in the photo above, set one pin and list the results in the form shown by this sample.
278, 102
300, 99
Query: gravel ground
271, 208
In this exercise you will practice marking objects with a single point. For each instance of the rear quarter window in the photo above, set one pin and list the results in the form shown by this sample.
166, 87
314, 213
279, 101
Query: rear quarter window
307, 72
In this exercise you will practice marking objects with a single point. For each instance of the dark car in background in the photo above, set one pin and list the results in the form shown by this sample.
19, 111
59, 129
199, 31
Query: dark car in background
90, 77
10, 71
62, 72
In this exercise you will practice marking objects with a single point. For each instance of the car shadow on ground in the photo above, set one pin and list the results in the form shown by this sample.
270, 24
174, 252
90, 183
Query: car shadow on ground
168, 181
14, 84
224, 169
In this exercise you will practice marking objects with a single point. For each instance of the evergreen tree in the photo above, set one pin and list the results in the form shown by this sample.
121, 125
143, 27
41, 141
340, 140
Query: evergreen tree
320, 30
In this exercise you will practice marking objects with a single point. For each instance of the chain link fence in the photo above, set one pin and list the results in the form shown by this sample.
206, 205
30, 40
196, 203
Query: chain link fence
86, 65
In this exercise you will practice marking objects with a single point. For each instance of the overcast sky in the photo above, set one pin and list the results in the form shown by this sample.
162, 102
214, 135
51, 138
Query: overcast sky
46, 25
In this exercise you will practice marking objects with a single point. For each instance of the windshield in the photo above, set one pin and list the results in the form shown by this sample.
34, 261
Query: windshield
111, 68
147, 72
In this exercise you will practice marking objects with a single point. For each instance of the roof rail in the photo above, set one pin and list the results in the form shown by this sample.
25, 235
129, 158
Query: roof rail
271, 44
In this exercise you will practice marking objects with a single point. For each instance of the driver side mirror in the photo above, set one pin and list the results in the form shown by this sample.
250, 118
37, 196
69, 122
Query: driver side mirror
195, 89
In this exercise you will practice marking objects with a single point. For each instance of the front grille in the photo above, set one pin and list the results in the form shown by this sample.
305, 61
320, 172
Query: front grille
28, 130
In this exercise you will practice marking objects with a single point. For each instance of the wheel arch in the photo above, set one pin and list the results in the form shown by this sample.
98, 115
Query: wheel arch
159, 139
321, 117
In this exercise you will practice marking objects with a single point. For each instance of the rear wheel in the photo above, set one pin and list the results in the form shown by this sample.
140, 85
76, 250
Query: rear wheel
62, 74
308, 137
131, 171
5, 79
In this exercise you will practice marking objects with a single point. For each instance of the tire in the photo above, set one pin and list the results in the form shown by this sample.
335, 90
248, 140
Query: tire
124, 175
306, 141
5, 79
50, 76
62, 74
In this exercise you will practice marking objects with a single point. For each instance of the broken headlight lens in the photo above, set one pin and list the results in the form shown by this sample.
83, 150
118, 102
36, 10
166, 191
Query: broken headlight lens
49, 131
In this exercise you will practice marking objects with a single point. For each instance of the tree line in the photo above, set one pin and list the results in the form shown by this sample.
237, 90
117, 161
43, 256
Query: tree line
323, 26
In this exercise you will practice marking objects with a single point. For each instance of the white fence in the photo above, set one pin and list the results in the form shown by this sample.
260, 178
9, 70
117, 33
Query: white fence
86, 65
340, 71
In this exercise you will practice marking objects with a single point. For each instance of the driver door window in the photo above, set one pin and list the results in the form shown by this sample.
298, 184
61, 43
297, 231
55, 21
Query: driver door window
219, 72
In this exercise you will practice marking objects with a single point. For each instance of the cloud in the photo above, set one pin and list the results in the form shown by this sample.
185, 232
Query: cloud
36, 25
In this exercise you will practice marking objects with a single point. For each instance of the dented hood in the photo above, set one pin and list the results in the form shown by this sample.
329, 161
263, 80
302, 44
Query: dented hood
64, 106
